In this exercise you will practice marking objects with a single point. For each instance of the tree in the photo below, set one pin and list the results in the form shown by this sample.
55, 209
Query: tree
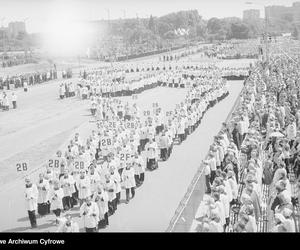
239, 31
201, 30
214, 25
151, 24
170, 35
163, 28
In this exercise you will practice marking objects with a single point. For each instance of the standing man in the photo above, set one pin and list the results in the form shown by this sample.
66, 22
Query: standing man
31, 196
61, 91
129, 181
56, 200
151, 149
163, 145
101, 199
5, 102
43, 195
25, 86
14, 100
89, 211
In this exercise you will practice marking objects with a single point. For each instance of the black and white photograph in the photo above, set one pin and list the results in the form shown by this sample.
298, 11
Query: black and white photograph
143, 116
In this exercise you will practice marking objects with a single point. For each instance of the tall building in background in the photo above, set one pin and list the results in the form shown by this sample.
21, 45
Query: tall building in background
16, 28
251, 15
291, 14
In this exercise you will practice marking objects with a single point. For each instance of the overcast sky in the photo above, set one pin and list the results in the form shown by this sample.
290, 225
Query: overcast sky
39, 12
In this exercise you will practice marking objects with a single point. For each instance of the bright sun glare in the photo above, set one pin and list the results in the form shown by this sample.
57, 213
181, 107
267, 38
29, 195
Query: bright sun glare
64, 34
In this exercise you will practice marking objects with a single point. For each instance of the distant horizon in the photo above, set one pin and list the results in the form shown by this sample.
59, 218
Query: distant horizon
39, 13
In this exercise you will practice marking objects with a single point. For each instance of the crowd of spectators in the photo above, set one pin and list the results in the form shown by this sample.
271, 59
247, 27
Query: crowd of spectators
230, 50
252, 170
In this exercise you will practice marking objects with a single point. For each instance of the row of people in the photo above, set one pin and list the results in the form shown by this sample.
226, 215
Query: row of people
105, 83
18, 81
16, 61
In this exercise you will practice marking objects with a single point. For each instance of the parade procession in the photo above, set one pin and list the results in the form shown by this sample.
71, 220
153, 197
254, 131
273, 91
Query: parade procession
154, 123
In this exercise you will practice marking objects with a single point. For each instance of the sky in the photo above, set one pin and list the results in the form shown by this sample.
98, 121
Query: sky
39, 13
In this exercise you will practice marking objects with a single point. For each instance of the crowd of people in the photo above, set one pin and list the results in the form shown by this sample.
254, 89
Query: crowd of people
130, 79
18, 81
91, 174
252, 170
15, 59
234, 50
66, 74
175, 56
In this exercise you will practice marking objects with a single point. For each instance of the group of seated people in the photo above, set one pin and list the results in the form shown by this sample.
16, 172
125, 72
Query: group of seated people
252, 170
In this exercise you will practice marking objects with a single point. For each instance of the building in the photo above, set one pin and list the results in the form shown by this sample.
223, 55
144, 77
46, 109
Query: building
15, 28
291, 14
3, 33
251, 15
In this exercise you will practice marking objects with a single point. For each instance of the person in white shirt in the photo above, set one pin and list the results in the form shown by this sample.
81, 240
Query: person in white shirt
111, 188
207, 173
226, 205
220, 208
213, 165
25, 86
56, 195
215, 224
139, 169
115, 176
14, 100
67, 182
233, 186
43, 195
83, 185
31, 197
89, 211
101, 199
5, 102
129, 181
181, 129
152, 152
